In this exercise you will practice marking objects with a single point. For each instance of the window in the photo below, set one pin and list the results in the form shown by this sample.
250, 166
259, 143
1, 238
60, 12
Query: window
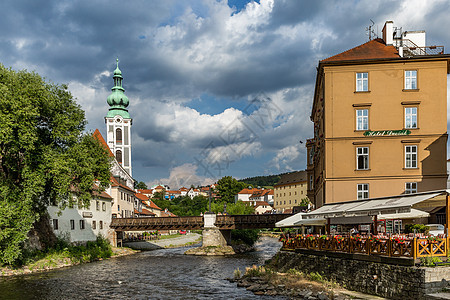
97, 205
94, 224
363, 191
104, 206
410, 187
118, 207
81, 224
362, 119
311, 182
119, 156
72, 224
362, 158
55, 224
410, 117
101, 225
362, 82
410, 157
119, 135
411, 80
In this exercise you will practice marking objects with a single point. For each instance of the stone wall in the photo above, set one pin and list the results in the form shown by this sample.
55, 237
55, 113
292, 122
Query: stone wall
215, 237
385, 280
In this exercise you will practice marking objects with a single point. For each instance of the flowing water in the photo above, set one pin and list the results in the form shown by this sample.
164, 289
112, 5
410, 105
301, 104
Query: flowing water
158, 274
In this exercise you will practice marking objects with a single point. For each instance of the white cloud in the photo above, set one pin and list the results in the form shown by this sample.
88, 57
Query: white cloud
285, 157
183, 176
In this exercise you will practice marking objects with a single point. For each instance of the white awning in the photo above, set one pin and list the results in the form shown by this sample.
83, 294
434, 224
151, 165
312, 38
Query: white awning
311, 222
413, 214
297, 220
289, 222
371, 207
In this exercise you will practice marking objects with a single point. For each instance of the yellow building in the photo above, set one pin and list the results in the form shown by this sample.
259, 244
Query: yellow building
380, 120
289, 192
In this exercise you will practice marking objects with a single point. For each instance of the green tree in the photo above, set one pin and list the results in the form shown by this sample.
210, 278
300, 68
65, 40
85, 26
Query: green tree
227, 187
239, 208
44, 155
140, 185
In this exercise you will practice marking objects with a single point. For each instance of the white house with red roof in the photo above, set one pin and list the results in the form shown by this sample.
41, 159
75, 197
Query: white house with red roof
244, 194
262, 207
193, 192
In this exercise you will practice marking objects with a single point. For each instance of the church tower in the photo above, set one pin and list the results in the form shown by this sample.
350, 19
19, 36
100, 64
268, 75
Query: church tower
118, 123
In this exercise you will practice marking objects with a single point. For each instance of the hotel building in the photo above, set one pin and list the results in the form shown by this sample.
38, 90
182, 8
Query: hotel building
380, 120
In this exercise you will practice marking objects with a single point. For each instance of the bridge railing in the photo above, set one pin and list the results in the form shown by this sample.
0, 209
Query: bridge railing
124, 224
249, 221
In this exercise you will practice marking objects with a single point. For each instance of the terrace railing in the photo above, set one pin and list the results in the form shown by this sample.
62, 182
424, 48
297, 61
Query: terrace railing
392, 246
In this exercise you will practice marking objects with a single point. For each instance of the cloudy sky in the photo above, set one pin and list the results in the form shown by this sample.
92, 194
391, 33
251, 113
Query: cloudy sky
216, 87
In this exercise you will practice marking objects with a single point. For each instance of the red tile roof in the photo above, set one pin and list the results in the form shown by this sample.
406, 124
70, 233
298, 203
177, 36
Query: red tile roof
374, 49
153, 205
167, 214
147, 191
141, 196
115, 183
102, 141
249, 191
147, 212
261, 203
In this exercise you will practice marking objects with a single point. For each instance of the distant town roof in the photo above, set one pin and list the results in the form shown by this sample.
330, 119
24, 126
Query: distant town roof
292, 178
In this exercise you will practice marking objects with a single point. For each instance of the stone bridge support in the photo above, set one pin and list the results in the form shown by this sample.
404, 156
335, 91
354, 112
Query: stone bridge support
213, 236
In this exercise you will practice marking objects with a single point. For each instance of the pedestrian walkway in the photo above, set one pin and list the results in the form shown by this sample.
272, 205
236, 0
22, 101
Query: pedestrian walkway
164, 243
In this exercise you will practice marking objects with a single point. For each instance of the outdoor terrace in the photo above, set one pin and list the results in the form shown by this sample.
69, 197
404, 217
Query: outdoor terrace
397, 246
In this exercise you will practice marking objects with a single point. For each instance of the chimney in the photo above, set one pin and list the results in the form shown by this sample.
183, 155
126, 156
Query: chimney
388, 32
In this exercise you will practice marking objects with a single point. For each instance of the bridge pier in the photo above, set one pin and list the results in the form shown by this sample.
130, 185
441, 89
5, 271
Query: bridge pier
213, 236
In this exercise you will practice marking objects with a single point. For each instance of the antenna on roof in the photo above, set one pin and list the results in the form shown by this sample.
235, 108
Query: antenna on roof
371, 32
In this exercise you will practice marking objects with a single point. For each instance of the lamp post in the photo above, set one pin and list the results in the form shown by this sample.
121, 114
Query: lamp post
210, 199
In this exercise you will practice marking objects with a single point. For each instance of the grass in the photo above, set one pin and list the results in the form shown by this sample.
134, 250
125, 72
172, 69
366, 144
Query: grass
62, 254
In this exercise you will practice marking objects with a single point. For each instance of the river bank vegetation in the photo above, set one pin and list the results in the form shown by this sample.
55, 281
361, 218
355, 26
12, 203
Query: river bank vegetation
63, 254
45, 157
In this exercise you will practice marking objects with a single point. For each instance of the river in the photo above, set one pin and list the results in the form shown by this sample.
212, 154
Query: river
157, 274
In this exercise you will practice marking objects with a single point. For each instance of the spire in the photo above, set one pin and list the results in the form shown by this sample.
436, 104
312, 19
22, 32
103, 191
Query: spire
118, 101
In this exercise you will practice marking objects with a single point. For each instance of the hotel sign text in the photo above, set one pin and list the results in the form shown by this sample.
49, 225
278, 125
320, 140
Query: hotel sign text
387, 132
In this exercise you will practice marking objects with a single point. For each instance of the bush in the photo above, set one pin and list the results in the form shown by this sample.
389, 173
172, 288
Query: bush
247, 236
420, 228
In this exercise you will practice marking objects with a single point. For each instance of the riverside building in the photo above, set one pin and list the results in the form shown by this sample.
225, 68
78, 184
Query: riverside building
380, 120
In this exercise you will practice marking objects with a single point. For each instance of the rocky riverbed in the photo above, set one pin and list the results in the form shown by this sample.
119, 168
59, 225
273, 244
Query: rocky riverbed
294, 285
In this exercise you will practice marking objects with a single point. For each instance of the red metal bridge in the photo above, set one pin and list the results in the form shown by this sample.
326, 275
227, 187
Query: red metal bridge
190, 223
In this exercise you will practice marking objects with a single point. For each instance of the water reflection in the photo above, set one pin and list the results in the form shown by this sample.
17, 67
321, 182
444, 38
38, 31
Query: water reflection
158, 274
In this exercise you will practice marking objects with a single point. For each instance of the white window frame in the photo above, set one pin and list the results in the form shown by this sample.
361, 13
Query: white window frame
362, 82
411, 117
410, 79
410, 187
72, 224
411, 157
362, 191
362, 152
362, 119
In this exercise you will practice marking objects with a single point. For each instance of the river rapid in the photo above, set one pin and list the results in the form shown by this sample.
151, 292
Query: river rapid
157, 274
